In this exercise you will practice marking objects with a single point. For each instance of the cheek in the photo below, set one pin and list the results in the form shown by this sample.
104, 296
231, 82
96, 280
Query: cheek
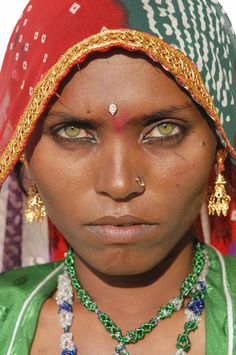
190, 163
66, 182
180, 182
61, 180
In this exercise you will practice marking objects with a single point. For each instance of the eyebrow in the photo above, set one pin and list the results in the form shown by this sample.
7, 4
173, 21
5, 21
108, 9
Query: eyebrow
67, 117
168, 112
148, 119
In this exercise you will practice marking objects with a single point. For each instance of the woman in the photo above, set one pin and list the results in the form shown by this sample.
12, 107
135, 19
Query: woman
119, 113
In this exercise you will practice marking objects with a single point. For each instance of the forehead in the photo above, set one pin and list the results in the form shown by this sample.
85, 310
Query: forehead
124, 78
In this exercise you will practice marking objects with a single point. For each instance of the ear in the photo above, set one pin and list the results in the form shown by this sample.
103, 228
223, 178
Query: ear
25, 178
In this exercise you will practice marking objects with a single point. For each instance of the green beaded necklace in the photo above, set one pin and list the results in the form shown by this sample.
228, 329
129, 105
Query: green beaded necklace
193, 287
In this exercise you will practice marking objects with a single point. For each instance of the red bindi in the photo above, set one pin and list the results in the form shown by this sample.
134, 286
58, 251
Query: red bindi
118, 123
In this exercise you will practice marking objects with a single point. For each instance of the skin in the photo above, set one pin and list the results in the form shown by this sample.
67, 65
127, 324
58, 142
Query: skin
95, 177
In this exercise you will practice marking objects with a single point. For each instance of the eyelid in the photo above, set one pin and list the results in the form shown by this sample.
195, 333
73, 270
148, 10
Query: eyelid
179, 123
76, 124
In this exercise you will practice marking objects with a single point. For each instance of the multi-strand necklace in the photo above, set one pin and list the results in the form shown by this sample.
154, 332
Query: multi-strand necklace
191, 296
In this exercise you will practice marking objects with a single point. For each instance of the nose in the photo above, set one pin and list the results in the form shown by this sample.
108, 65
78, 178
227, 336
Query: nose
118, 175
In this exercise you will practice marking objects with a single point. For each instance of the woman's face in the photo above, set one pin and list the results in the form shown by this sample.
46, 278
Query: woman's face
85, 163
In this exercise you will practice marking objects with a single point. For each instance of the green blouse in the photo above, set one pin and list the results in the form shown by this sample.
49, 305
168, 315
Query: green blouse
23, 291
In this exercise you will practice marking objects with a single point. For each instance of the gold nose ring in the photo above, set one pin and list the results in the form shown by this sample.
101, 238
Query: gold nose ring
140, 182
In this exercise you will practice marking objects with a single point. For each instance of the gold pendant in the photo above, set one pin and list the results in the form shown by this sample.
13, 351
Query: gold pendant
219, 200
35, 210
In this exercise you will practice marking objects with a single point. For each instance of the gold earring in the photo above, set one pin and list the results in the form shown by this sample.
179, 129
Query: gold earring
34, 210
219, 200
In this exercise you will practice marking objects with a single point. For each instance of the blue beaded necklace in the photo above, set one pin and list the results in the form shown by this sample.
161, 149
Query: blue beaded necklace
192, 288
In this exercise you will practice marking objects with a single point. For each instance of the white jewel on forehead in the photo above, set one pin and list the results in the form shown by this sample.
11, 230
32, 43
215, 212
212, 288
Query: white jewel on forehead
113, 109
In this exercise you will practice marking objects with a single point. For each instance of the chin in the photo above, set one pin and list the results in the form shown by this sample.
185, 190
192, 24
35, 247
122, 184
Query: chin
122, 261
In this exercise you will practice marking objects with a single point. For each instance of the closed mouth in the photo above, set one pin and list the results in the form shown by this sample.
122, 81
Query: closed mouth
120, 230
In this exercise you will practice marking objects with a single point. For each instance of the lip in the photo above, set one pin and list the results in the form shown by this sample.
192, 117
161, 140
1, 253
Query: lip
112, 220
124, 229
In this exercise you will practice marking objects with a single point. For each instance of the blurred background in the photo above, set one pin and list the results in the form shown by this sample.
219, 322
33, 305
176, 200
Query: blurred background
10, 11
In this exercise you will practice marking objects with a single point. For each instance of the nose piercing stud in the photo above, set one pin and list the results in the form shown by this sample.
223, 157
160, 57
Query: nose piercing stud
140, 182
113, 109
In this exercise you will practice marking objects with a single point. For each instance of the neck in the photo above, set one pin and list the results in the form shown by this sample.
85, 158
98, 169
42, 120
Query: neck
116, 294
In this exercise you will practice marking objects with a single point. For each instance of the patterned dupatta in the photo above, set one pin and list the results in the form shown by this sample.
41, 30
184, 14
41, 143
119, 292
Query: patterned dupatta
191, 39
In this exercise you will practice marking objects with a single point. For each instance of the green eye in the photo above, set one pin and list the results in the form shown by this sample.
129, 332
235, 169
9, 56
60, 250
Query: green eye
166, 129
72, 131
